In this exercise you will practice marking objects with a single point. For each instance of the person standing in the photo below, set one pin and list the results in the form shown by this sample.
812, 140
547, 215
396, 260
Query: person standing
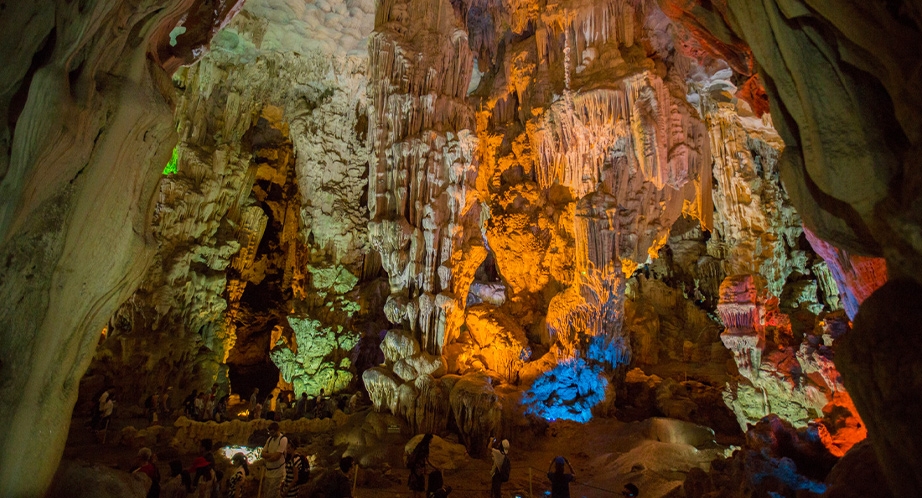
235, 481
165, 411
297, 471
418, 463
302, 405
188, 404
100, 405
500, 471
274, 455
321, 405
253, 399
560, 481
208, 407
146, 466
340, 485
179, 485
105, 411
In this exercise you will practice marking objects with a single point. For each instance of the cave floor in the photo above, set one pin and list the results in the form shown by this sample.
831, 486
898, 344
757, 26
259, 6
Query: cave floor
605, 454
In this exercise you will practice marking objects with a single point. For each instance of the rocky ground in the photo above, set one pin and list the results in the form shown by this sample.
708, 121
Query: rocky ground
655, 454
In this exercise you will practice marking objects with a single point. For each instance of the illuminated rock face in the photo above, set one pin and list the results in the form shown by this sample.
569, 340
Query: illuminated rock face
86, 129
888, 324
845, 165
421, 173
552, 191
263, 221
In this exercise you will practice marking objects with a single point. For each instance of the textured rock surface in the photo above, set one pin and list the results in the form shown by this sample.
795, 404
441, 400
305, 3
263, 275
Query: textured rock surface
776, 460
95, 480
863, 131
262, 222
552, 190
887, 326
857, 474
421, 173
85, 130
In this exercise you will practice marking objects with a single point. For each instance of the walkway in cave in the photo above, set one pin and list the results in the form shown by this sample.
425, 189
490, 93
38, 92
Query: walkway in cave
605, 453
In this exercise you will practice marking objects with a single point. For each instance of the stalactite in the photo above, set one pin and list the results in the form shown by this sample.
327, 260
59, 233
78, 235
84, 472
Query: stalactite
424, 153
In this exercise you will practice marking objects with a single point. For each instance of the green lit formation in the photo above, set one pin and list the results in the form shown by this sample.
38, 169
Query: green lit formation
322, 357
173, 165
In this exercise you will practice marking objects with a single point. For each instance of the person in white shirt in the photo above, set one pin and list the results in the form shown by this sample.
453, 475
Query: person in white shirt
105, 411
499, 455
274, 456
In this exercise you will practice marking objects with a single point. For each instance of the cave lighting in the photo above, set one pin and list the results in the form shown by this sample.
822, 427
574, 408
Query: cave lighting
251, 454
567, 392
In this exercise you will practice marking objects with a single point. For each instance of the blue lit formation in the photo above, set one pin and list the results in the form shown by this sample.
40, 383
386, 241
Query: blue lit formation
568, 392
608, 352
576, 385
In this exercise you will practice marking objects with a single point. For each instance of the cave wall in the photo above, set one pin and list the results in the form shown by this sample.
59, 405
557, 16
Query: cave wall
86, 123
844, 95
262, 228
513, 190
509, 168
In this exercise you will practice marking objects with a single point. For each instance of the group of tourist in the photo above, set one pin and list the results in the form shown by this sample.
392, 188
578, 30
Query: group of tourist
206, 406
285, 473
284, 407
419, 465
285, 470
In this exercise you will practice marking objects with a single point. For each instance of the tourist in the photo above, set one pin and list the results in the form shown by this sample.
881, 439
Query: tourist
188, 404
560, 481
179, 485
150, 406
499, 473
105, 412
165, 411
256, 412
220, 409
630, 490
274, 455
437, 487
321, 405
297, 471
302, 406
418, 463
205, 480
146, 466
253, 399
198, 407
208, 407
235, 481
281, 403
100, 405
340, 485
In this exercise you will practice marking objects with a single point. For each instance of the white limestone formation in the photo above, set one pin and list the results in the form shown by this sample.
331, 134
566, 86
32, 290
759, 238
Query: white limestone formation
421, 130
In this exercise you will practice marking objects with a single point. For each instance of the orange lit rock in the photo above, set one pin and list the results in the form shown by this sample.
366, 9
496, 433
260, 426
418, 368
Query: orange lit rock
495, 342
842, 426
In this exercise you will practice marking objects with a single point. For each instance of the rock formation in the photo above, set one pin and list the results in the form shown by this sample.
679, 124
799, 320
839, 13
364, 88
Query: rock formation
86, 130
483, 213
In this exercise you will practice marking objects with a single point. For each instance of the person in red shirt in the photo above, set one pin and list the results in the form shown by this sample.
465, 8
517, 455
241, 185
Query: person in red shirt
146, 460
